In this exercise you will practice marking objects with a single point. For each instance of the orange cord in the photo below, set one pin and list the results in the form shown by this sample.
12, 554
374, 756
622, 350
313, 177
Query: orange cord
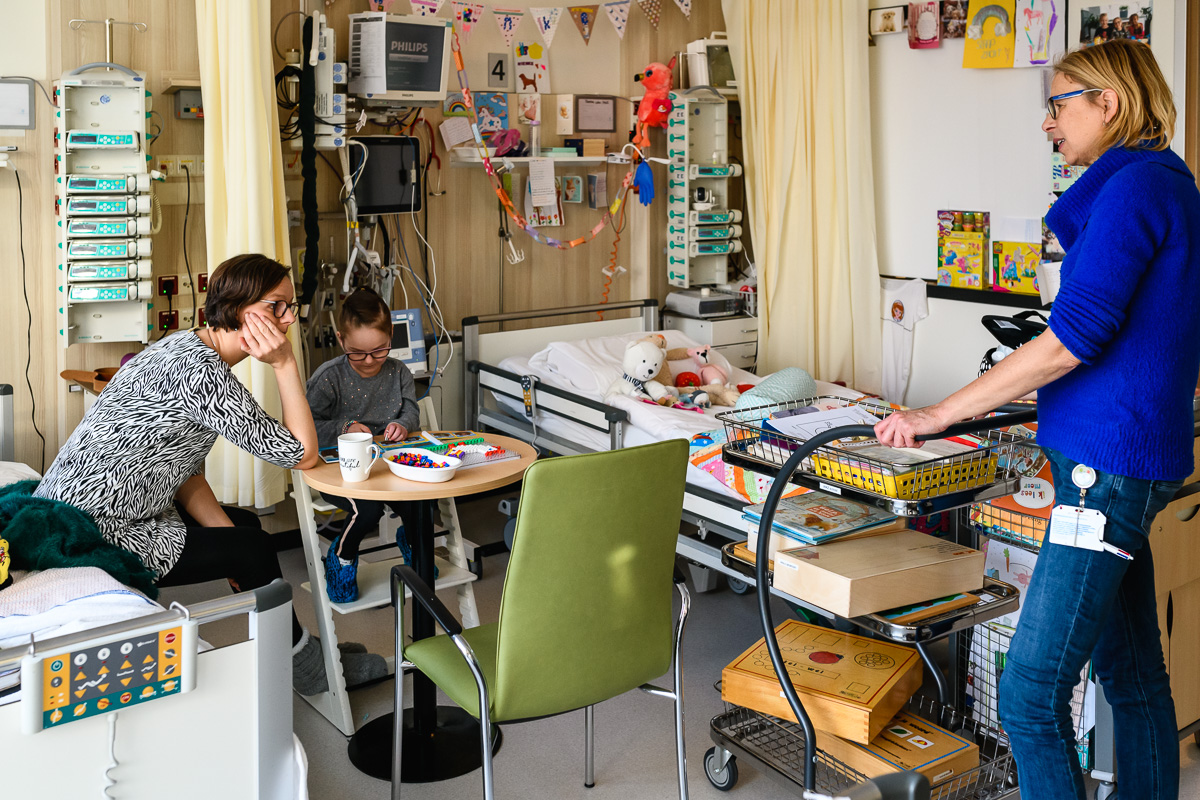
618, 226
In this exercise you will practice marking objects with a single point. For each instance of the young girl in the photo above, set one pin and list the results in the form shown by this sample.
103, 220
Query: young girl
364, 391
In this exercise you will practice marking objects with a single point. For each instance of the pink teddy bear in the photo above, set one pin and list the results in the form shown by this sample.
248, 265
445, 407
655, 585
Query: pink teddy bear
709, 372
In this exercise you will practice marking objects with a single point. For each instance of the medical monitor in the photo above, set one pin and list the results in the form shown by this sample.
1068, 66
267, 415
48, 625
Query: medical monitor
399, 60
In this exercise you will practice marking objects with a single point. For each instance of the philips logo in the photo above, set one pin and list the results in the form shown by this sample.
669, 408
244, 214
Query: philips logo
410, 47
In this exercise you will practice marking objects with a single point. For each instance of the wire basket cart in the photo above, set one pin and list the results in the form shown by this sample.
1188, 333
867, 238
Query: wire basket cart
839, 461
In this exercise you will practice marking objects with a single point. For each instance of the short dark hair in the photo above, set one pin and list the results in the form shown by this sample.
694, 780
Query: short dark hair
236, 283
365, 309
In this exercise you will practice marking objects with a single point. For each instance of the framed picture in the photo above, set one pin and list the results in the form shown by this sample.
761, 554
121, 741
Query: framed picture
595, 113
892, 19
1093, 23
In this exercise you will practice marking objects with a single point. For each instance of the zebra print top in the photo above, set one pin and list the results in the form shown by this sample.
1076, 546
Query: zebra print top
148, 433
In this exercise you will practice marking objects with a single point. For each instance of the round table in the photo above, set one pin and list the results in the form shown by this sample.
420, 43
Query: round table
439, 742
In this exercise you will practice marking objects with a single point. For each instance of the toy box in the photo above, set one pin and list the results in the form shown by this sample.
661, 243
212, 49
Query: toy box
851, 686
908, 743
960, 259
951, 222
1014, 267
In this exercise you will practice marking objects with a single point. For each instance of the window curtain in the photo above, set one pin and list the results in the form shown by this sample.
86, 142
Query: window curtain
244, 204
802, 73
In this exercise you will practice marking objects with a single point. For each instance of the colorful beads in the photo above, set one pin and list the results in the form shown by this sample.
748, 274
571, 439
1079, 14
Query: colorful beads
414, 460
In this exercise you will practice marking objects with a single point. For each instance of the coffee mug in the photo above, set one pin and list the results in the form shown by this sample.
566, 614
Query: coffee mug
356, 453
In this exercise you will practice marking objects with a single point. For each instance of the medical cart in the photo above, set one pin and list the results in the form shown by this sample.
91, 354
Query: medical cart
786, 750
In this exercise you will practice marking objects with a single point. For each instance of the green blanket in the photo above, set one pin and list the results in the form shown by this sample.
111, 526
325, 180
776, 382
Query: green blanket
47, 534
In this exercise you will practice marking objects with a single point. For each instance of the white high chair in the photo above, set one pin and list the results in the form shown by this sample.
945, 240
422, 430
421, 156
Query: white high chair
373, 586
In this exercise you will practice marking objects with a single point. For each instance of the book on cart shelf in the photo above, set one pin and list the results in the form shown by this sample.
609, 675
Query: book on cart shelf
875, 573
907, 744
816, 517
851, 686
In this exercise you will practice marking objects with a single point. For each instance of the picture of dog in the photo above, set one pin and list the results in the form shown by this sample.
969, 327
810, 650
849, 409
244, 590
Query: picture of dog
888, 20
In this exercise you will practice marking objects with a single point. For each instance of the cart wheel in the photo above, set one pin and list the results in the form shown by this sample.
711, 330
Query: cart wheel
738, 586
1106, 791
722, 779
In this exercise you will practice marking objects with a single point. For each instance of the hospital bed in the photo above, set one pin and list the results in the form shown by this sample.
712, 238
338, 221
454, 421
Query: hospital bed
567, 368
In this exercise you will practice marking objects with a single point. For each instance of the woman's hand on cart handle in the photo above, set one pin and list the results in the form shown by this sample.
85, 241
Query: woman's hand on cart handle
901, 428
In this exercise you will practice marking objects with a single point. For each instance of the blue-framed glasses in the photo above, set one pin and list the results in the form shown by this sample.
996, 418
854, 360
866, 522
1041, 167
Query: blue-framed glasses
1052, 109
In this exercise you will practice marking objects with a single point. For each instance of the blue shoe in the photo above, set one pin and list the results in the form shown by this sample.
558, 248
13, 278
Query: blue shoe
406, 550
341, 580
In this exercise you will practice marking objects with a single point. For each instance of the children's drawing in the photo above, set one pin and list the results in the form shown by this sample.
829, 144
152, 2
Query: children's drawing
1040, 36
990, 36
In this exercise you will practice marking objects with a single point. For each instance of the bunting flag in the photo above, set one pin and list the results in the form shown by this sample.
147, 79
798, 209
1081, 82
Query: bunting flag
467, 15
585, 18
547, 21
652, 9
618, 15
508, 19
685, 6
427, 8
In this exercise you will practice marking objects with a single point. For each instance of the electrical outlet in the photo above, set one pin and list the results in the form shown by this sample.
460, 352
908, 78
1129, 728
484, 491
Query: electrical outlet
202, 317
168, 320
202, 282
201, 165
168, 285
192, 164
168, 165
187, 318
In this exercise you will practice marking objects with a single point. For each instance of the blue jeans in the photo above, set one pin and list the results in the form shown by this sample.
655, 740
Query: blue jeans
1084, 604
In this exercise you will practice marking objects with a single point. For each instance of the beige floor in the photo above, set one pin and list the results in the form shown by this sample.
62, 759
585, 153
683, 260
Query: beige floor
544, 760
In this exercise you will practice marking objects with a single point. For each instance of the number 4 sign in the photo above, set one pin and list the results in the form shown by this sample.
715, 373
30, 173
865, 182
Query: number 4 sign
500, 71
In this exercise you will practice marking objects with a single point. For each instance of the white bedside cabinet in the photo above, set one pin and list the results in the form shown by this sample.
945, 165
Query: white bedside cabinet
735, 337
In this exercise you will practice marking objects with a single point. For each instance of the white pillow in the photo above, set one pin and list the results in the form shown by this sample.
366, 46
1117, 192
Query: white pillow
13, 471
591, 365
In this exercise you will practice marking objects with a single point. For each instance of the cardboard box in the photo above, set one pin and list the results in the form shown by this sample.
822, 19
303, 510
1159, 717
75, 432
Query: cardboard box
1014, 267
851, 686
907, 744
875, 573
961, 260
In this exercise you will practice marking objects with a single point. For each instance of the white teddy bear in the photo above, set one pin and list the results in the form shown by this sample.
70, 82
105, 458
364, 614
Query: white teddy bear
642, 361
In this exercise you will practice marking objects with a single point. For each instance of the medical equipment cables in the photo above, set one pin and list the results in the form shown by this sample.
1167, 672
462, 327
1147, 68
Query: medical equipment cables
187, 208
436, 318
113, 763
275, 36
29, 315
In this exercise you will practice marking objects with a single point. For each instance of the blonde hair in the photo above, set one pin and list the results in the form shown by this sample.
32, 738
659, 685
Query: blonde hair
1145, 109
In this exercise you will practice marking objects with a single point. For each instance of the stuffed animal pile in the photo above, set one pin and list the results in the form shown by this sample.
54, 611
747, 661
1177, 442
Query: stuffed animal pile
647, 376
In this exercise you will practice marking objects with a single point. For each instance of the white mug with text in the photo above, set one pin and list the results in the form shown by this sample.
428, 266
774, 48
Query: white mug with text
356, 453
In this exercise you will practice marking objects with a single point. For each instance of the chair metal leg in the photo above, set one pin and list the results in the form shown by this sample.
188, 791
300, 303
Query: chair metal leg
685, 602
398, 717
485, 714
589, 747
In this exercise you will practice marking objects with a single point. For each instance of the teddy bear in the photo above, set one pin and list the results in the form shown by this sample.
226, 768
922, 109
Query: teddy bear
708, 371
643, 360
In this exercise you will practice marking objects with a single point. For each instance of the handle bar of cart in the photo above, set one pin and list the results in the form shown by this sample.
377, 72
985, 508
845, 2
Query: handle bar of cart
896, 786
761, 564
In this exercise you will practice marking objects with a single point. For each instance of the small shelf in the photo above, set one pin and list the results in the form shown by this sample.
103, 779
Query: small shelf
175, 84
472, 157
374, 590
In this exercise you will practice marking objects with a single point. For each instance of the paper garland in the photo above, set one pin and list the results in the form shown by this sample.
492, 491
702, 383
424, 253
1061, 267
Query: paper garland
585, 18
618, 15
508, 19
466, 15
652, 9
685, 6
546, 20
427, 8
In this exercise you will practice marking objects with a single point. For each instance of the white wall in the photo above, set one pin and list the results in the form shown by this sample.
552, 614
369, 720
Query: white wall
948, 137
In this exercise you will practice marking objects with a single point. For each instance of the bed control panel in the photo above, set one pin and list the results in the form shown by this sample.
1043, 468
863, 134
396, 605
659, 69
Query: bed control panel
103, 675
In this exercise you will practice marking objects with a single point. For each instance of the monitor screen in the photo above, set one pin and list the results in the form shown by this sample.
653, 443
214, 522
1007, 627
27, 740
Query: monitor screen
415, 58
390, 182
399, 60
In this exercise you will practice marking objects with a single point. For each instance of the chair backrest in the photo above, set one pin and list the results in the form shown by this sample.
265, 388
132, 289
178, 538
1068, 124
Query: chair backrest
586, 609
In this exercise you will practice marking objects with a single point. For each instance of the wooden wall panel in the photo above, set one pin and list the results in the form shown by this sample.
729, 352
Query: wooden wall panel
1191, 104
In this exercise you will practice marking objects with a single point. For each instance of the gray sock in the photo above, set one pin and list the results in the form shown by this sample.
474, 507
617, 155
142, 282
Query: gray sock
362, 667
308, 666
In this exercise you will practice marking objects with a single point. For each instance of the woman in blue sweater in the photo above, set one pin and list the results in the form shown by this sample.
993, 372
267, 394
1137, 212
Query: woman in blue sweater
1115, 374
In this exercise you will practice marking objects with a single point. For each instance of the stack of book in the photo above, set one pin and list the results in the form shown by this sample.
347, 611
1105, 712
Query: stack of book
813, 518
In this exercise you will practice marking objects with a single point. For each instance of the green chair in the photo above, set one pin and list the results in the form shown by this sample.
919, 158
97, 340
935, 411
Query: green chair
586, 611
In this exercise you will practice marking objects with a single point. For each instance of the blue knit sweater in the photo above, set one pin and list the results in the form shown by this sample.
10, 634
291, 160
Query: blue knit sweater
1128, 310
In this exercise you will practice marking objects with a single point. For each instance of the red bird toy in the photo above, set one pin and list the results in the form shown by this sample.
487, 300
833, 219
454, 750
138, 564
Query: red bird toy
656, 104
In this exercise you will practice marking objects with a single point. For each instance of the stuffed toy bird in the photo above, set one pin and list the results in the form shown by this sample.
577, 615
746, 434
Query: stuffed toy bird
656, 104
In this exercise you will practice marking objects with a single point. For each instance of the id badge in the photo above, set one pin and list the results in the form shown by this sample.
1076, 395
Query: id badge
1083, 528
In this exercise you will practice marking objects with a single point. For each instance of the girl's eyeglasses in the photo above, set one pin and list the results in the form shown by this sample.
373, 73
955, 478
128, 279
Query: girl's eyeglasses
280, 307
375, 355
1052, 109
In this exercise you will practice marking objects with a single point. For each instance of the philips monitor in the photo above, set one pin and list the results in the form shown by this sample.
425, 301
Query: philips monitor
399, 60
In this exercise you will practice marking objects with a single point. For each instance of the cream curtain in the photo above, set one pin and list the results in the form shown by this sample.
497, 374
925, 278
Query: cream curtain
244, 204
802, 74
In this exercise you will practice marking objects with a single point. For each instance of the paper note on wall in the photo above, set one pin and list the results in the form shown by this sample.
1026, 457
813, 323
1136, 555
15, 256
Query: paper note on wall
455, 131
990, 35
541, 181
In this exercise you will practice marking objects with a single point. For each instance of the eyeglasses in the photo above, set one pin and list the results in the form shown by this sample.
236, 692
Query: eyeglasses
280, 307
375, 355
1052, 109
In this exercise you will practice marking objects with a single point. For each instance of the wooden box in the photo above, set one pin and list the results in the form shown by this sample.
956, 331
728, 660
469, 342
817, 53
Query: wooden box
875, 573
850, 686
908, 743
